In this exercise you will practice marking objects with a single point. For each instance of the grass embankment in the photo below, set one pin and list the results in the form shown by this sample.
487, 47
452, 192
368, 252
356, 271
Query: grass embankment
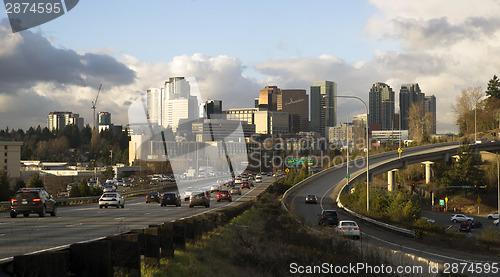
263, 241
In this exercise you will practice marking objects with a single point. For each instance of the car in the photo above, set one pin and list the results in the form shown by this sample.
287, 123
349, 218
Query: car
245, 185
461, 218
207, 190
187, 193
482, 140
496, 222
199, 198
349, 228
28, 201
428, 219
235, 190
214, 187
311, 198
464, 226
170, 198
475, 225
111, 199
258, 178
269, 174
328, 217
224, 195
493, 215
153, 196
109, 188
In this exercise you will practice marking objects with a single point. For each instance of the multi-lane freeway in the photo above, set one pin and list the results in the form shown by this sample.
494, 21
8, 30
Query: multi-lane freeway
325, 185
79, 223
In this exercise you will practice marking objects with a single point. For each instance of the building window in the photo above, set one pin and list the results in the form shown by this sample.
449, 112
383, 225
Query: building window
5, 160
5, 147
5, 154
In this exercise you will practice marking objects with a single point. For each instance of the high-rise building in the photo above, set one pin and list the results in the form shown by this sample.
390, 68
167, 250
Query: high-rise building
212, 107
243, 114
10, 151
104, 118
172, 103
269, 98
271, 122
430, 108
381, 106
323, 106
296, 103
59, 120
408, 95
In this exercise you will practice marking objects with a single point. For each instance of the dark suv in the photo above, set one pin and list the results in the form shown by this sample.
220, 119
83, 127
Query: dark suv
28, 201
170, 198
328, 217
153, 196
199, 199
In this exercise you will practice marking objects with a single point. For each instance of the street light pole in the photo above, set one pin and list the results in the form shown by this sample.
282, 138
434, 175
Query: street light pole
347, 139
367, 151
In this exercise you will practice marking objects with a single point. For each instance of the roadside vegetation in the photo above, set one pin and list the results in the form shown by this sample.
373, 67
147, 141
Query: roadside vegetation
263, 241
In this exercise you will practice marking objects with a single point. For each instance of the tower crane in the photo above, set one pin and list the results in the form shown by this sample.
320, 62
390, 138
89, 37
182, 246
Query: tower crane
94, 103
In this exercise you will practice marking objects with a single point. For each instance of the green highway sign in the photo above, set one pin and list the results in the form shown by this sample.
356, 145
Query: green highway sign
291, 161
441, 202
466, 187
422, 187
347, 175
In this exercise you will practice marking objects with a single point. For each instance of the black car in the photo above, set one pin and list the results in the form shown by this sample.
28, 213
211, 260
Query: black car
28, 201
465, 227
328, 217
170, 198
153, 196
474, 224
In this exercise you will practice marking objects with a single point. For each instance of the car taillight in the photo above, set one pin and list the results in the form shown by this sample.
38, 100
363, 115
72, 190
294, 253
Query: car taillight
13, 201
113, 199
163, 197
322, 217
342, 228
36, 200
101, 199
356, 228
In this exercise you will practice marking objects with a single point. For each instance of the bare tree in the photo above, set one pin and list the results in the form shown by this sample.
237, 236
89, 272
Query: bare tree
416, 122
464, 108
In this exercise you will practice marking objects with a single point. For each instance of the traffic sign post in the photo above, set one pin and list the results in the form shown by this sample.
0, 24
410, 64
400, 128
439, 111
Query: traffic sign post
441, 202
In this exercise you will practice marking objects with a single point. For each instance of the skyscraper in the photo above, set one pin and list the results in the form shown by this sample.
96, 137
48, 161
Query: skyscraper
409, 94
171, 103
296, 103
59, 120
323, 106
430, 107
381, 106
269, 98
212, 107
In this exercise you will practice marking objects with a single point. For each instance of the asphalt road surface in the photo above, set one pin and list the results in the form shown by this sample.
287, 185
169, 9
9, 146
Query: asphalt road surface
79, 223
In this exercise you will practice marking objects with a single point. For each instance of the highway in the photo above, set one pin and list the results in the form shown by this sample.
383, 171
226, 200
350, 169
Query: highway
79, 223
324, 187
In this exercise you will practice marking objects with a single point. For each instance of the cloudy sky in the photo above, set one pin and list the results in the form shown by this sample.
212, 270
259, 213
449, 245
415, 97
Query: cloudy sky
235, 48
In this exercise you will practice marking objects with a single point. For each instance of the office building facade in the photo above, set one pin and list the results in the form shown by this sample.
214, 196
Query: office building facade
323, 106
59, 120
408, 95
296, 103
381, 106
430, 109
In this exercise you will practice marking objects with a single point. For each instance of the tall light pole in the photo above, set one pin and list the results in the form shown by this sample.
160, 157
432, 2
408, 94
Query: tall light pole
367, 151
347, 139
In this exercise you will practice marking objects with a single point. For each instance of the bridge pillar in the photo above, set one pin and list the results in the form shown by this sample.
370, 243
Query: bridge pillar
428, 172
390, 179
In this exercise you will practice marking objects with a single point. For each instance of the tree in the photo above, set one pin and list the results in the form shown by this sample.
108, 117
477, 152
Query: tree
5, 192
464, 108
108, 173
36, 181
494, 87
419, 122
466, 170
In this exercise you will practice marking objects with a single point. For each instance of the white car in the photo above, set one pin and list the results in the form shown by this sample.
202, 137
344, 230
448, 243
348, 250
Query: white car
111, 199
187, 193
461, 218
495, 222
109, 188
258, 178
349, 228
493, 215
214, 187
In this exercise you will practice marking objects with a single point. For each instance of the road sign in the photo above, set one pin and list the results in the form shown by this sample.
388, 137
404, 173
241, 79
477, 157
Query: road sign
422, 187
446, 199
478, 200
287, 170
466, 187
291, 161
347, 175
400, 150
441, 202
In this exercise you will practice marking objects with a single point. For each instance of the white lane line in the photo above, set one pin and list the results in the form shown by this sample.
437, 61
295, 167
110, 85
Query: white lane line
73, 225
147, 213
119, 218
422, 251
2, 235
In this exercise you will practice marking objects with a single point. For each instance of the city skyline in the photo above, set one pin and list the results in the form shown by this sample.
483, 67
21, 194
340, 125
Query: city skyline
59, 65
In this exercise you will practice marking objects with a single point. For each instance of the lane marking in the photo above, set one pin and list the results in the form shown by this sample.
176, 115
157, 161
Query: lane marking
120, 218
73, 225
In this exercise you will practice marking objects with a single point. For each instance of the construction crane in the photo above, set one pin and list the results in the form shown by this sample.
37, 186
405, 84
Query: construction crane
94, 103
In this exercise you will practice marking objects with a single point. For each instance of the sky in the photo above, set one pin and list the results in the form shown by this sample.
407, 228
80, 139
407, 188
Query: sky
236, 48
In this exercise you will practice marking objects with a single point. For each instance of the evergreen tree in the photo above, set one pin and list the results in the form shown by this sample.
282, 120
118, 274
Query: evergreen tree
494, 87
36, 181
5, 192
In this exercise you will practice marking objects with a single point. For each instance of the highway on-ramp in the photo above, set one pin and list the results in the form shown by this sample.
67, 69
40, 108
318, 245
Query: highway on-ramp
326, 184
